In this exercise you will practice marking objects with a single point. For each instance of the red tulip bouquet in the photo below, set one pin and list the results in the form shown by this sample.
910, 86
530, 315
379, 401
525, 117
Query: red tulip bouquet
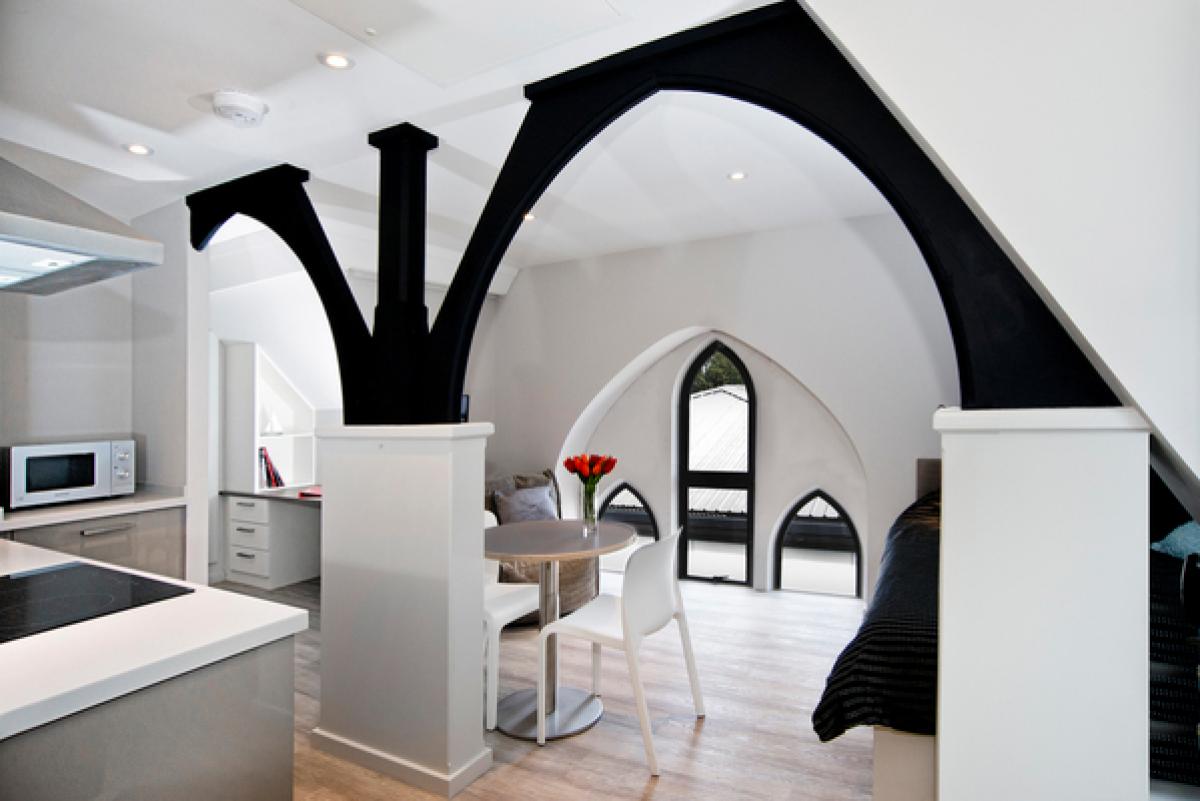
590, 468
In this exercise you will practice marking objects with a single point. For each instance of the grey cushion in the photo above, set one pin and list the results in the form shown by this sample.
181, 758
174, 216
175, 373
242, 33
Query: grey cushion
531, 503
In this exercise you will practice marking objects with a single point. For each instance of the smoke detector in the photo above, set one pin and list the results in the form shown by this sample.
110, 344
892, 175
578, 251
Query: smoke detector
241, 109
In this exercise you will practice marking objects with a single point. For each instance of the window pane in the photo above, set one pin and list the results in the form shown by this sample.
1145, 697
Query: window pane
717, 527
626, 508
719, 428
819, 551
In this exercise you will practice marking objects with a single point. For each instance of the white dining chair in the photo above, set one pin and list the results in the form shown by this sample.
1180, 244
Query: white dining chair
502, 604
649, 600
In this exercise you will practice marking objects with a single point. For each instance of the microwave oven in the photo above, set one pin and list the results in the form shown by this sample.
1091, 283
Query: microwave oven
35, 475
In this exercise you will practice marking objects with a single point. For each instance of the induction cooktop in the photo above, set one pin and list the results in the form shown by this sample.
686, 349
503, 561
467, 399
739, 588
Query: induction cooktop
49, 598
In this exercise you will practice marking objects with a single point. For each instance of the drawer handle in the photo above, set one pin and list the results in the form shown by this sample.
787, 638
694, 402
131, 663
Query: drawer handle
92, 532
244, 530
247, 504
245, 555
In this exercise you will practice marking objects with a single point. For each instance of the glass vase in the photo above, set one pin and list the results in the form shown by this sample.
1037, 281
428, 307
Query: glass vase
589, 509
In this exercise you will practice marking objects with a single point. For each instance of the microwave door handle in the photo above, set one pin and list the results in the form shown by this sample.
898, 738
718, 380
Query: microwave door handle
92, 532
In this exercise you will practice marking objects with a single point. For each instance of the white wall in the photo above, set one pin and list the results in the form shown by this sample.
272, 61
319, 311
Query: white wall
1072, 127
849, 309
284, 315
170, 374
1042, 668
800, 445
66, 364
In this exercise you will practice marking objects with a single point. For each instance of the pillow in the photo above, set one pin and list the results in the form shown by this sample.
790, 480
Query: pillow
531, 503
541, 479
1180, 542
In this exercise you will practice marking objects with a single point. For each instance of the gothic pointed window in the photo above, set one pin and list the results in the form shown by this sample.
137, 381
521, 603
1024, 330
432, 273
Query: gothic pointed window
716, 460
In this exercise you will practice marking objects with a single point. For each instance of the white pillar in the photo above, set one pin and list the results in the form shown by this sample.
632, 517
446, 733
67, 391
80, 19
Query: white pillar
402, 601
1044, 614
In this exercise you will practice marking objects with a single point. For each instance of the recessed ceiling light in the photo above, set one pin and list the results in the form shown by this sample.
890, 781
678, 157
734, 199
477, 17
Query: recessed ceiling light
139, 149
369, 31
529, 216
736, 175
335, 61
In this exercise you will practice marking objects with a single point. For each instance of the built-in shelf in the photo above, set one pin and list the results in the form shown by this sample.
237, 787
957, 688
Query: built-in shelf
263, 409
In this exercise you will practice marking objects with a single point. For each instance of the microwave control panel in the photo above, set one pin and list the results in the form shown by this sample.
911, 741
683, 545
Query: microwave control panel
123, 478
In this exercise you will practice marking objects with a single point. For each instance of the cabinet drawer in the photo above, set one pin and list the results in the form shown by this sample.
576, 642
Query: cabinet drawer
249, 535
250, 561
151, 541
248, 510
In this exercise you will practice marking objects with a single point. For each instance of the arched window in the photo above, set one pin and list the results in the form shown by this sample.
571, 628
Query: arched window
716, 468
817, 549
626, 505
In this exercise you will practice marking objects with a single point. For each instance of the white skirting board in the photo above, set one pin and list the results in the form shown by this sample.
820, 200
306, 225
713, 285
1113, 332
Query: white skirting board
402, 601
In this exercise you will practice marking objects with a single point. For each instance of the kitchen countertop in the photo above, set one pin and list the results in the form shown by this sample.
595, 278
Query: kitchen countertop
291, 494
57, 673
146, 499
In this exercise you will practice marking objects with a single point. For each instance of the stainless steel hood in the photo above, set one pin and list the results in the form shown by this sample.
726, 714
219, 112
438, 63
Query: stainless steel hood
51, 241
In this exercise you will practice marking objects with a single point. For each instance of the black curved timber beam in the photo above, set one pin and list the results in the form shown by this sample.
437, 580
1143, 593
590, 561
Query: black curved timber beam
1010, 350
382, 373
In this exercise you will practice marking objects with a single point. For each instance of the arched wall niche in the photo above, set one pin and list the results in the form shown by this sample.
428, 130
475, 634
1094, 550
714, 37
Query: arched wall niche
807, 445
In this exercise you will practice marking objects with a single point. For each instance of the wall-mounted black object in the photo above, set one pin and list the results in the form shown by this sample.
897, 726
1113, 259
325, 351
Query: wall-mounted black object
464, 412
1011, 351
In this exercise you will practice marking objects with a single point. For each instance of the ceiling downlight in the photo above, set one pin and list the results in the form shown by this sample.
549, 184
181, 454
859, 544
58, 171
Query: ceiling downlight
335, 60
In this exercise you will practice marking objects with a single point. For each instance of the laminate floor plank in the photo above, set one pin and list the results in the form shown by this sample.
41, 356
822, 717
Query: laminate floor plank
763, 659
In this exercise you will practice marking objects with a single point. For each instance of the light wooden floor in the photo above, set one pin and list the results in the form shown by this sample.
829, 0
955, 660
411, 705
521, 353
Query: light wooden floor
763, 658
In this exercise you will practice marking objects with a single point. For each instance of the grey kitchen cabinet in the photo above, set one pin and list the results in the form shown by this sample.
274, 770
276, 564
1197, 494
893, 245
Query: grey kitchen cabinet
151, 541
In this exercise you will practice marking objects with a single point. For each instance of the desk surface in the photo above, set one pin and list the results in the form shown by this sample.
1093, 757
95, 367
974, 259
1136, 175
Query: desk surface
554, 540
290, 494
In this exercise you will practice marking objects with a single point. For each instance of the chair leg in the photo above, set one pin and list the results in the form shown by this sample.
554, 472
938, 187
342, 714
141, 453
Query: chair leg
541, 690
493, 674
596, 669
689, 657
639, 697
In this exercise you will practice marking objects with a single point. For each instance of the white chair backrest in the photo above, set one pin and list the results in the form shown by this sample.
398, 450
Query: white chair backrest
491, 568
648, 592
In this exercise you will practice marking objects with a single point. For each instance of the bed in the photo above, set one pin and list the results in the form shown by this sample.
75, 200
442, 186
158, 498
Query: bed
887, 675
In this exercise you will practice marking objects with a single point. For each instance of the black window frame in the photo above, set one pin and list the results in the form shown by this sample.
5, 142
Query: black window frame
716, 479
617, 490
859, 567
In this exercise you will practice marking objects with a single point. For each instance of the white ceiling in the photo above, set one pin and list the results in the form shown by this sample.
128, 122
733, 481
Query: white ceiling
80, 79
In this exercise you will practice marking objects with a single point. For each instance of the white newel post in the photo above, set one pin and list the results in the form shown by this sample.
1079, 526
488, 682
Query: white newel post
402, 601
1044, 610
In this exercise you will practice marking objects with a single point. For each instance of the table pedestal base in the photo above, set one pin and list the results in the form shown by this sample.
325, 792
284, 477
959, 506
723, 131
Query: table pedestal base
577, 712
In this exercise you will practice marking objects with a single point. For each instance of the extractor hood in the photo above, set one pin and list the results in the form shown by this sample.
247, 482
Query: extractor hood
51, 240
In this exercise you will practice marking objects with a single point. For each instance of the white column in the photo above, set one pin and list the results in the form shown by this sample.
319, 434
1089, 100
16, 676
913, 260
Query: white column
1043, 635
402, 601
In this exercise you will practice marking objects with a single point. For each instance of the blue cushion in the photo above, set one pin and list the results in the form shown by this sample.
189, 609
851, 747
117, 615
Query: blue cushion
1180, 542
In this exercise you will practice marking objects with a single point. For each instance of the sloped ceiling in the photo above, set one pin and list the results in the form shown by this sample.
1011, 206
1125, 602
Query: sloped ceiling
143, 71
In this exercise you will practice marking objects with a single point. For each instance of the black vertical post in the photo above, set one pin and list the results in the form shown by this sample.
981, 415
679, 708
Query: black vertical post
401, 318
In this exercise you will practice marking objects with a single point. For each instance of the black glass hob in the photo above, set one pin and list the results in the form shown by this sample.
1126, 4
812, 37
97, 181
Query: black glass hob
51, 597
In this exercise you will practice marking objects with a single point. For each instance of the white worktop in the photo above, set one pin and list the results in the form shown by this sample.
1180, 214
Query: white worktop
146, 499
50, 675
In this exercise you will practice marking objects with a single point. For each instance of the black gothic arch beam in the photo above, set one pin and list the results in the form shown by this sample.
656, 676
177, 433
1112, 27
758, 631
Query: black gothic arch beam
383, 370
1010, 349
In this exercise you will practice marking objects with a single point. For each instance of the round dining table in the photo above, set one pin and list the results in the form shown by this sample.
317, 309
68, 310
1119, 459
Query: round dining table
568, 710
